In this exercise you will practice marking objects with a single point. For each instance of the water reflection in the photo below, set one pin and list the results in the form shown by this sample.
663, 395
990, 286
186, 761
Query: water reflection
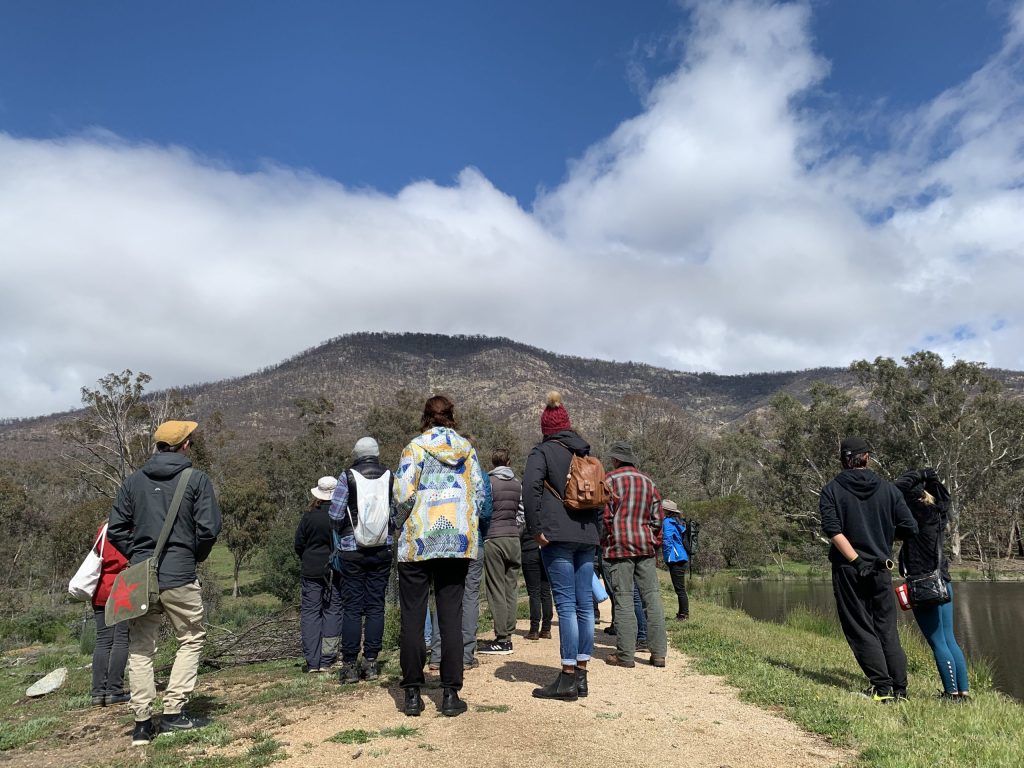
989, 618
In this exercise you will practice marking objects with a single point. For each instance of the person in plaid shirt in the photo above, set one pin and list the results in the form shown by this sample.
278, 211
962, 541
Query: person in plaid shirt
630, 540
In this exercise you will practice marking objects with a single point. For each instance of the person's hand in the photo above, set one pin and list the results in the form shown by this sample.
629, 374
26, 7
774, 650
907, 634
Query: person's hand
541, 540
929, 474
865, 566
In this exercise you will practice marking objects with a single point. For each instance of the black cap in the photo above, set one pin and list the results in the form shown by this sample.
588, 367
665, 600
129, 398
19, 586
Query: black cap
851, 446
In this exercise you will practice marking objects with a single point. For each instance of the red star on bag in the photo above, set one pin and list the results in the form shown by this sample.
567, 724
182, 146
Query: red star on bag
122, 593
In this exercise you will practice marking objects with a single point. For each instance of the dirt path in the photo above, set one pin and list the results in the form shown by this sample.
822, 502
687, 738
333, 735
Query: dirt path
639, 717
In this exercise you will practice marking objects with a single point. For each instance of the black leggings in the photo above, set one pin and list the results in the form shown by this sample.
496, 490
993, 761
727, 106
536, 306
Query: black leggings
110, 656
539, 589
678, 573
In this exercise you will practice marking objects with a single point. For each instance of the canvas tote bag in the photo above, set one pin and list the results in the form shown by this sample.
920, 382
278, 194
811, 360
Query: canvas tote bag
83, 584
136, 588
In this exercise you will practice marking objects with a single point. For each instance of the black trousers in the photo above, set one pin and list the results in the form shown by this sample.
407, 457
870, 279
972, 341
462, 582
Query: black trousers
448, 576
539, 590
678, 573
110, 656
364, 584
867, 613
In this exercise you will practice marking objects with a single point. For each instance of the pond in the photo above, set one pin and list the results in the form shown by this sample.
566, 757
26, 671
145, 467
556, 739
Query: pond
988, 618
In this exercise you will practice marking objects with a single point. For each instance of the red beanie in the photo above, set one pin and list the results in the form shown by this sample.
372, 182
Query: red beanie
554, 418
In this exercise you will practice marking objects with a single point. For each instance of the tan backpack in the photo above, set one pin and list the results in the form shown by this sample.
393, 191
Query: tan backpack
585, 487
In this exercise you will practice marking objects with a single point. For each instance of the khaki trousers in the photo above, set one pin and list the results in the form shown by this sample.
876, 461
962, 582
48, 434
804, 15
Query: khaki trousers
183, 606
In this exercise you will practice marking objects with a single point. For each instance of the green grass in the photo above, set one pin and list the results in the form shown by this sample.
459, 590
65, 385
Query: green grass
502, 708
398, 732
18, 734
353, 736
805, 669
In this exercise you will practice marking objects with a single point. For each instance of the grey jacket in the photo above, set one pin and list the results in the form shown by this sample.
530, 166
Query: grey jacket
141, 507
506, 497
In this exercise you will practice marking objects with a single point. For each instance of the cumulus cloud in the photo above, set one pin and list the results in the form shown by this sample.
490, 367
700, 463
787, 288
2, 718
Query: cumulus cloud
723, 227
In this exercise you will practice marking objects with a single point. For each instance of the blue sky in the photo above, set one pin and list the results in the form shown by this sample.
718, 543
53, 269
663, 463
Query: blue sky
738, 174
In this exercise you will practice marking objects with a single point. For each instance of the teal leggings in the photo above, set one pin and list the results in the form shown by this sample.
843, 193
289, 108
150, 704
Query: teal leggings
936, 623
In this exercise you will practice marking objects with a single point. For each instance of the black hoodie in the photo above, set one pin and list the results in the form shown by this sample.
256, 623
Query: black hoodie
922, 554
866, 509
141, 507
545, 512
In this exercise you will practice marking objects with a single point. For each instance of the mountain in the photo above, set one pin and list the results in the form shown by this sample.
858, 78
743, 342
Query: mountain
507, 379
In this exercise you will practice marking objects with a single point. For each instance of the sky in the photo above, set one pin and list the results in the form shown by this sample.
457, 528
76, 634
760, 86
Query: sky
198, 190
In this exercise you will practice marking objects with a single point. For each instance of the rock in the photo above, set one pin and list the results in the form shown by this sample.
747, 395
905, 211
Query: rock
357, 753
48, 684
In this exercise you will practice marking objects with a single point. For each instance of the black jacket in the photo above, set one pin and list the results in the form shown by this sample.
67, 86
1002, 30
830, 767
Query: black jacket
545, 512
920, 555
866, 509
140, 510
313, 541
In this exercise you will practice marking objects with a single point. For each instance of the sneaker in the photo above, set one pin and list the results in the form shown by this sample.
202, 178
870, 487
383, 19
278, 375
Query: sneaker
371, 669
682, 616
641, 645
349, 674
143, 733
471, 664
179, 721
434, 667
496, 648
118, 698
545, 634
900, 694
99, 701
880, 695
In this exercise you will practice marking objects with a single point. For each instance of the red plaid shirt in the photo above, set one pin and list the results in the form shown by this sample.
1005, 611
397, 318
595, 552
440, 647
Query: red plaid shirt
632, 518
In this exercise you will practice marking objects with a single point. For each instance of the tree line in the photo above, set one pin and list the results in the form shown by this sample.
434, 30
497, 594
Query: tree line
752, 485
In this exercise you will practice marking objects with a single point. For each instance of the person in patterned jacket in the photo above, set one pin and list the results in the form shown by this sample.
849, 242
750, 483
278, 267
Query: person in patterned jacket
631, 538
440, 495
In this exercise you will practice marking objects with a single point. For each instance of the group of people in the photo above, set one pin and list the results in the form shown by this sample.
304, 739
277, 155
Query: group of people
448, 523
862, 514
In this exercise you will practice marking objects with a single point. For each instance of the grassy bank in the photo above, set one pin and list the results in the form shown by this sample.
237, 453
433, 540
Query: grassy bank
805, 670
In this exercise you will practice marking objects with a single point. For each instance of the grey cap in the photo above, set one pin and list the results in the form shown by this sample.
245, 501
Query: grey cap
622, 451
365, 446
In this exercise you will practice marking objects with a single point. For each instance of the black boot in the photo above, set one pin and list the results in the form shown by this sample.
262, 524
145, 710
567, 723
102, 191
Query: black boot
563, 688
413, 702
582, 690
451, 704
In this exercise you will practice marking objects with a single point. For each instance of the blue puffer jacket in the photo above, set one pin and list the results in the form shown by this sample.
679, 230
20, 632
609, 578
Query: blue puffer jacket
672, 540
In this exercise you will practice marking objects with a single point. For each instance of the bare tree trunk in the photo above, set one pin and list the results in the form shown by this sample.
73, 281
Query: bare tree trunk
238, 567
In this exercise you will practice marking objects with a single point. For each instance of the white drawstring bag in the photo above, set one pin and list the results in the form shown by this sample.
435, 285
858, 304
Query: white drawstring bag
83, 584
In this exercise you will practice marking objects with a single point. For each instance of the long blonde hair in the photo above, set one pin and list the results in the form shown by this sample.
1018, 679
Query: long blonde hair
927, 499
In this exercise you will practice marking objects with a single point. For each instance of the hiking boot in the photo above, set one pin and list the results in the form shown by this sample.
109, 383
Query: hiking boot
451, 704
371, 669
545, 634
610, 630
496, 648
471, 664
533, 634
179, 721
582, 689
143, 733
98, 701
657, 661
616, 660
641, 645
349, 673
118, 698
563, 688
413, 702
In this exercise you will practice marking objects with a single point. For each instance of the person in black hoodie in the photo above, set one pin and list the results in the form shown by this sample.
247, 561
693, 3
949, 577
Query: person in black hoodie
922, 555
136, 519
320, 609
862, 514
568, 540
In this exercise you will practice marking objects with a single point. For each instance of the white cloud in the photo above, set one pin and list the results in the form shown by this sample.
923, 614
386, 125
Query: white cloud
722, 226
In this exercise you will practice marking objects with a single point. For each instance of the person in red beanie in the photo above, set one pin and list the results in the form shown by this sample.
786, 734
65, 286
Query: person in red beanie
568, 541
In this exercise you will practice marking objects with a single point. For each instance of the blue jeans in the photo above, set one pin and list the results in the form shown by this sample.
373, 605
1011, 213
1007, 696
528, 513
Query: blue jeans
570, 568
936, 623
641, 617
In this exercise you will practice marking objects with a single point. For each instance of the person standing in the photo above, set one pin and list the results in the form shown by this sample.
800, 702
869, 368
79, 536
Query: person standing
110, 655
136, 519
567, 540
673, 551
362, 514
862, 514
320, 607
632, 535
503, 556
440, 494
922, 555
538, 588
